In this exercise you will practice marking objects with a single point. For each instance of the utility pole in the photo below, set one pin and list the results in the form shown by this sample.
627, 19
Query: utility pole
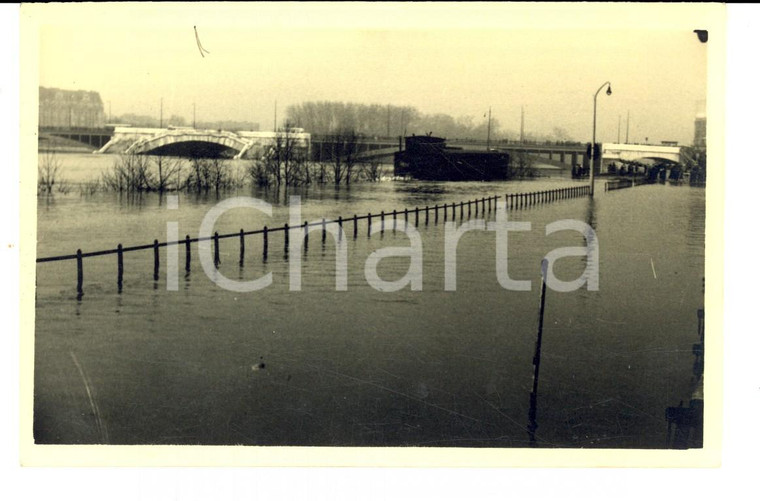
488, 137
388, 132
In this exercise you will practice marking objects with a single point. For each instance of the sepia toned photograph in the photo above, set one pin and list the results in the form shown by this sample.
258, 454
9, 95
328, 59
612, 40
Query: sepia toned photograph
372, 228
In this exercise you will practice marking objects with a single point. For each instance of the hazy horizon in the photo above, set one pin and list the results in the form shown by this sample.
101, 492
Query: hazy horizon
658, 75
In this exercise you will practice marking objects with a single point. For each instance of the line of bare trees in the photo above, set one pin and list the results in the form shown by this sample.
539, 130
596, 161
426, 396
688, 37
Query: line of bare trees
139, 173
286, 163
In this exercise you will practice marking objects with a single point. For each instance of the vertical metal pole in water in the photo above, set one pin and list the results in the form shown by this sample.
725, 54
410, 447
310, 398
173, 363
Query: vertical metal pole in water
436, 213
119, 266
286, 229
216, 249
489, 204
532, 423
306, 235
80, 274
461, 211
324, 230
469, 209
355, 227
445, 212
426, 214
155, 259
187, 253
266, 242
340, 227
406, 217
416, 216
394, 220
369, 224
382, 222
242, 247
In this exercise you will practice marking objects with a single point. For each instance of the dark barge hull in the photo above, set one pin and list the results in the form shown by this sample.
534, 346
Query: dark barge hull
428, 158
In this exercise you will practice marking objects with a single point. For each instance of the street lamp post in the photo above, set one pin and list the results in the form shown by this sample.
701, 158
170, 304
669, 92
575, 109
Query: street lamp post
593, 134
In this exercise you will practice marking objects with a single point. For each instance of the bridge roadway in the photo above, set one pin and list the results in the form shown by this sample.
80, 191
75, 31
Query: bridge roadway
146, 140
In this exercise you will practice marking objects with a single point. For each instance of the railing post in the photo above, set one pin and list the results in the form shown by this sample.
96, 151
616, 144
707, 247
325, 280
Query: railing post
187, 253
306, 235
324, 230
119, 266
340, 227
216, 249
461, 211
242, 246
369, 224
155, 259
416, 216
445, 212
355, 227
382, 222
80, 274
266, 243
394, 220
286, 229
436, 213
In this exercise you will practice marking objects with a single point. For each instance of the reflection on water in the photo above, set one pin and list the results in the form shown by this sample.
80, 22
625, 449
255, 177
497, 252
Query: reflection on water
203, 365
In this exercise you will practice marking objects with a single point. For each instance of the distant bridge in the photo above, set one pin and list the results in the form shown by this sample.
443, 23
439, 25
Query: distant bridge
187, 141
625, 153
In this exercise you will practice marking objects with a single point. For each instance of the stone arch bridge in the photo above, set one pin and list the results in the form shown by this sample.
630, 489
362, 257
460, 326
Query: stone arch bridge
192, 142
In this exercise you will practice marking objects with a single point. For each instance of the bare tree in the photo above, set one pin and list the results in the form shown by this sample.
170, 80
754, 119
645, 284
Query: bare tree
371, 171
167, 169
521, 165
129, 173
344, 155
48, 173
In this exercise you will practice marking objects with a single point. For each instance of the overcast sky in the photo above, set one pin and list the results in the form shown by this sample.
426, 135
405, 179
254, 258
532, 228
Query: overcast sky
438, 58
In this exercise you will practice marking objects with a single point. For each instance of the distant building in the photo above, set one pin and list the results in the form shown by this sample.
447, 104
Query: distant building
70, 108
700, 131
669, 143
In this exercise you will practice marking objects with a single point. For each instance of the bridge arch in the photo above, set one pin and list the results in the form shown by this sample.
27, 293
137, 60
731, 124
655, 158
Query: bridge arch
196, 143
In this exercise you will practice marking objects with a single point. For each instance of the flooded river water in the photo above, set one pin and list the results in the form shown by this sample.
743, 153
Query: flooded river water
361, 367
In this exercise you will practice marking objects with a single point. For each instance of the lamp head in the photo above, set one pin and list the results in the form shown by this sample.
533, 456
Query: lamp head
609, 89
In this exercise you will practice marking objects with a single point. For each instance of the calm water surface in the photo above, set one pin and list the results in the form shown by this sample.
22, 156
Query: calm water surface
361, 367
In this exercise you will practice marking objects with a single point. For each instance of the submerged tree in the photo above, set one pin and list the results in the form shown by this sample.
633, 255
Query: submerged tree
48, 173
521, 165
344, 155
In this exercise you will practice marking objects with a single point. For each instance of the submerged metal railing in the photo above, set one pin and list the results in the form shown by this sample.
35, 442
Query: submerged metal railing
482, 205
